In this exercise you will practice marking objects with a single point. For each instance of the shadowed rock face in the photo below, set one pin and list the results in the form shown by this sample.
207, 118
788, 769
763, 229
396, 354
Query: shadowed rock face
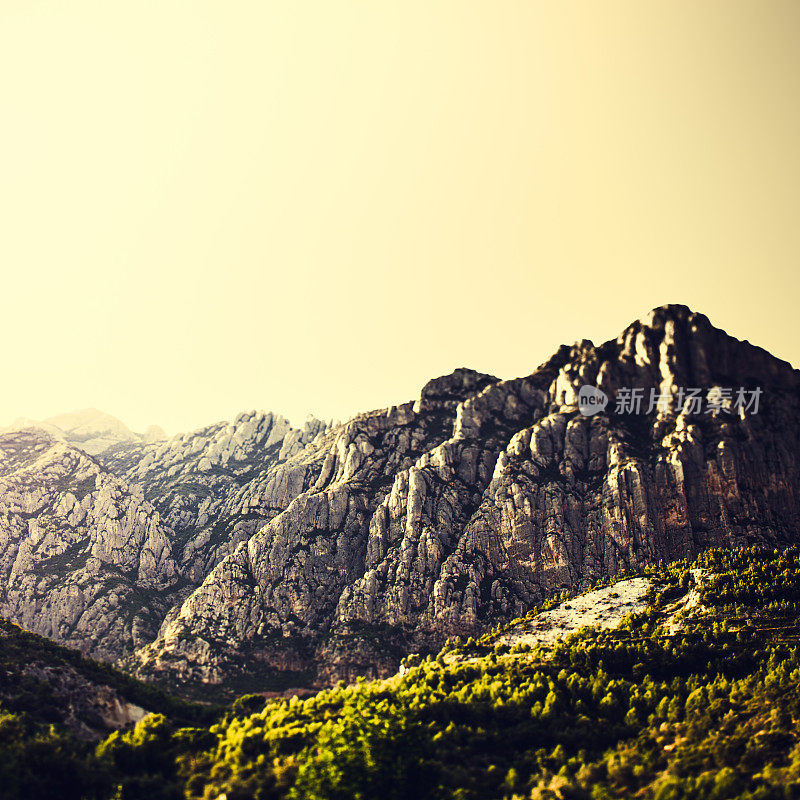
334, 550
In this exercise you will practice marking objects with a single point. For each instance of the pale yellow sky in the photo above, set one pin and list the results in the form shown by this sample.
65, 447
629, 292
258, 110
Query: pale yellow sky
315, 207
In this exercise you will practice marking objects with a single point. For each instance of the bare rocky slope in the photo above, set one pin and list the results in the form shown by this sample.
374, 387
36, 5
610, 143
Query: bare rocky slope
94, 554
254, 553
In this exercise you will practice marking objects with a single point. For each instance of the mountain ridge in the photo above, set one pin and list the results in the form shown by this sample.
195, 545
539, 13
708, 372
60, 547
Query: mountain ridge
333, 550
92, 430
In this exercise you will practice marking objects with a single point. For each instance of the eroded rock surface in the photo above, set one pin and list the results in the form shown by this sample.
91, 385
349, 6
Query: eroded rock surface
84, 558
483, 497
331, 551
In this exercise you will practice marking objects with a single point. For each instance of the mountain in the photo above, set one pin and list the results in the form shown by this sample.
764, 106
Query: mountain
467, 507
87, 559
256, 554
91, 430
84, 558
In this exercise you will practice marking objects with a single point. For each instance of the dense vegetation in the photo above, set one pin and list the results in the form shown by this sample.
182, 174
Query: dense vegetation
20, 649
697, 699
47, 720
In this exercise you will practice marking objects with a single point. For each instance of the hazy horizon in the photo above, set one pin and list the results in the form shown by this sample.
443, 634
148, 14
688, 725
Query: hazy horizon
316, 208
299, 419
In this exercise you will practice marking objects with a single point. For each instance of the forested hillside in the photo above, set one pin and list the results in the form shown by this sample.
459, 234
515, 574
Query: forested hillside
56, 705
696, 696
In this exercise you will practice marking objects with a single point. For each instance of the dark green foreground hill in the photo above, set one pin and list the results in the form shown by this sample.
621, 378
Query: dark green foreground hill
55, 705
698, 696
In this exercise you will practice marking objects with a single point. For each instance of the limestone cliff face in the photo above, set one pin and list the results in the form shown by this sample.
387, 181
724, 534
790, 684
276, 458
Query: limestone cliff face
84, 558
330, 551
484, 496
95, 553
216, 486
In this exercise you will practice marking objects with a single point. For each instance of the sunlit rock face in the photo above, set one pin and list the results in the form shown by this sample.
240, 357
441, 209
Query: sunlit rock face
330, 551
85, 559
466, 507
95, 553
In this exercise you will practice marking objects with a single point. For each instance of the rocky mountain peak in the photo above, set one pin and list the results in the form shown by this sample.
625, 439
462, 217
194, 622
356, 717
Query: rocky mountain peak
455, 387
670, 350
320, 552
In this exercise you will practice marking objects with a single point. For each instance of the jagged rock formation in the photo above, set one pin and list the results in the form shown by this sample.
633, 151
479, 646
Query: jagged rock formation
331, 551
84, 558
87, 559
216, 486
484, 496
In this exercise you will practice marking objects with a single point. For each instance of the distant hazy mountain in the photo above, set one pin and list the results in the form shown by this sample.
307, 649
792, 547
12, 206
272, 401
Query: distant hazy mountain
255, 552
92, 430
